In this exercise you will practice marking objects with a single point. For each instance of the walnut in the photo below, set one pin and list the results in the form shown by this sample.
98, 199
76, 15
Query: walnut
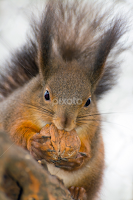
61, 143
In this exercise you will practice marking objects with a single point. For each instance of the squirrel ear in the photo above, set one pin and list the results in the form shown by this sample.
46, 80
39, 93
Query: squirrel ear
108, 41
45, 41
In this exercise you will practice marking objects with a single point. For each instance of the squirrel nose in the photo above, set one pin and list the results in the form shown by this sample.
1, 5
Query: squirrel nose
67, 123
64, 122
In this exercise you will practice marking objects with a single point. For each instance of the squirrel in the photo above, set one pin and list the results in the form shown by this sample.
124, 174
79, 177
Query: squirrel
57, 77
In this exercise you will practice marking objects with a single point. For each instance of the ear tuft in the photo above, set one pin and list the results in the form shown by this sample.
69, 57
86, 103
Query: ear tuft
107, 43
45, 40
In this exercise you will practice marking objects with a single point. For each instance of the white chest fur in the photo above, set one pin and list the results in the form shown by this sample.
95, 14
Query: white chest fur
69, 178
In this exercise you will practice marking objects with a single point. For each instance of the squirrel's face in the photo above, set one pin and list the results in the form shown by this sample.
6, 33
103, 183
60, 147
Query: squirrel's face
68, 94
72, 65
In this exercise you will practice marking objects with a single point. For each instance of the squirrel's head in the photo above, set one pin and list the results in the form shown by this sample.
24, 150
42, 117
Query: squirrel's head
67, 92
72, 67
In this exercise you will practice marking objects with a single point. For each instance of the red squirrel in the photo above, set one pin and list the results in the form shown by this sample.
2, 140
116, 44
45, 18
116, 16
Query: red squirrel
57, 77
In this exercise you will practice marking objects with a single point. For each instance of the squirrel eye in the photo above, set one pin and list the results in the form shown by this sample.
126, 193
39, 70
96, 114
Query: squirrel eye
46, 95
87, 102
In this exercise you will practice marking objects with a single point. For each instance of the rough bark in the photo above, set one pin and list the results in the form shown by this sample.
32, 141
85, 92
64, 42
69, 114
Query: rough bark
22, 178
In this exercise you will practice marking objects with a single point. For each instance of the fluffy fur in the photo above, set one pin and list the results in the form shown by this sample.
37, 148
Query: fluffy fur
81, 35
68, 57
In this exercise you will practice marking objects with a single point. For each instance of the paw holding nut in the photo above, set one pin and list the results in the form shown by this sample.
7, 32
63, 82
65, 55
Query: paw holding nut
64, 144
58, 147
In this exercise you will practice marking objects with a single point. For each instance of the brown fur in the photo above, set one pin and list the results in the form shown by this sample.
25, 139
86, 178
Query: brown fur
68, 57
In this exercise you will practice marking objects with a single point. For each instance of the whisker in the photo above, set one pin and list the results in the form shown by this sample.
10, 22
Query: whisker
39, 108
78, 124
49, 111
108, 113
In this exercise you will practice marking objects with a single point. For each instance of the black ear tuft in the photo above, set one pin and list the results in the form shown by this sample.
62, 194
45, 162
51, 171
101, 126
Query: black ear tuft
108, 41
45, 39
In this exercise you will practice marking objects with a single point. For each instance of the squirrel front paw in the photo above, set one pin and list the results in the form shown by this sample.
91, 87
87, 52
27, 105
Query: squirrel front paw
40, 147
58, 147
69, 164
78, 193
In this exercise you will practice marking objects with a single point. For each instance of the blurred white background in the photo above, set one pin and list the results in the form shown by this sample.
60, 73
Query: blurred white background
116, 107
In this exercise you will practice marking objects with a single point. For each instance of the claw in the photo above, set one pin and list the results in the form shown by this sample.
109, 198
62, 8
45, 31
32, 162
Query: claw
83, 154
46, 136
53, 161
58, 161
64, 159
57, 166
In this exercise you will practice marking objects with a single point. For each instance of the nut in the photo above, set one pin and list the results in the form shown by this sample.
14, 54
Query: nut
64, 144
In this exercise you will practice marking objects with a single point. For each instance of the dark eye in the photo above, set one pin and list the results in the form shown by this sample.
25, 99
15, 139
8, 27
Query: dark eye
87, 102
46, 95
